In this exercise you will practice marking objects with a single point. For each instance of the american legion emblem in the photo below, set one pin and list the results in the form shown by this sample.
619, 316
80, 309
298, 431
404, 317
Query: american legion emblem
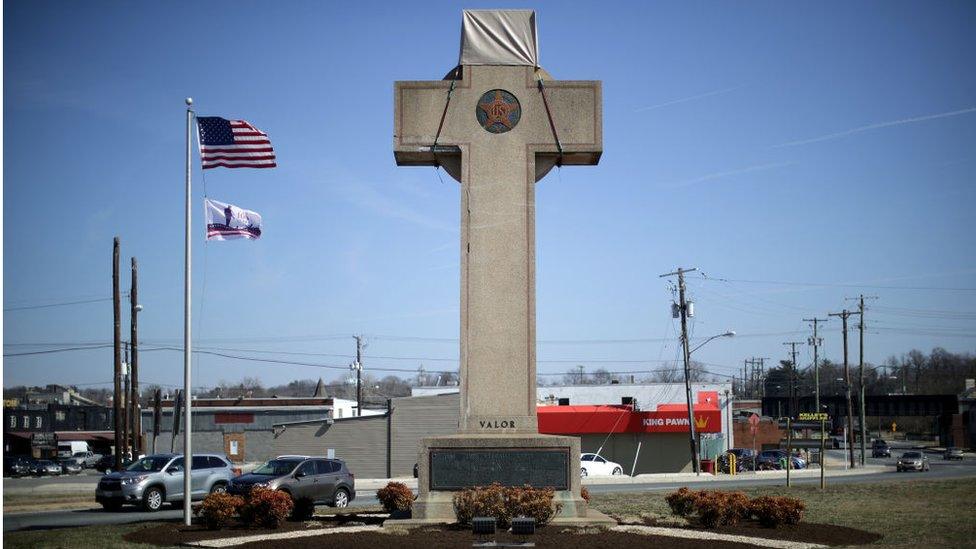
498, 111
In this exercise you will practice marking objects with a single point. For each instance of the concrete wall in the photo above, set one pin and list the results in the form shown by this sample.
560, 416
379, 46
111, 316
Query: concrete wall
258, 445
418, 417
361, 442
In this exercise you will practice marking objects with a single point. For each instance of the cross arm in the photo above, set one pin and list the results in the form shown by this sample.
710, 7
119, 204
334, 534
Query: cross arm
418, 108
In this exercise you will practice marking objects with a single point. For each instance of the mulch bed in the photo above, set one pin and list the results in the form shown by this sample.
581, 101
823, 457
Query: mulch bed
809, 532
428, 538
175, 533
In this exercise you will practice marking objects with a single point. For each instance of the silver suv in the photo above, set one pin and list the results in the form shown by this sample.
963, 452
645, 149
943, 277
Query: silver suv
158, 478
322, 480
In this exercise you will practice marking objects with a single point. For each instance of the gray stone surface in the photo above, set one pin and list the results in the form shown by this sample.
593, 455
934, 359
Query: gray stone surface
497, 172
437, 123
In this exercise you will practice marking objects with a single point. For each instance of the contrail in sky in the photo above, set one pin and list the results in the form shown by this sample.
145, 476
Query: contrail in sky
692, 98
719, 175
876, 126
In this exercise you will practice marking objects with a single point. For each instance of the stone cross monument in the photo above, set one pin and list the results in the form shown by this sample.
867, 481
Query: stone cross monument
497, 124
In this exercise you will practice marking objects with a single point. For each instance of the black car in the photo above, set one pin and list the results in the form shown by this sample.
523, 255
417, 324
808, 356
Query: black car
745, 460
880, 448
107, 464
18, 466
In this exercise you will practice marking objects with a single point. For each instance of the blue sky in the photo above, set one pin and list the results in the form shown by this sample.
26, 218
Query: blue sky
828, 143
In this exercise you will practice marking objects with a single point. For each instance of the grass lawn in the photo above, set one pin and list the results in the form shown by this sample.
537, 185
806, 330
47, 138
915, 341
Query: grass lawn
915, 513
88, 537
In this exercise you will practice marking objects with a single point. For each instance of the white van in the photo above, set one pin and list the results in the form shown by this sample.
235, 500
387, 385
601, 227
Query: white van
68, 449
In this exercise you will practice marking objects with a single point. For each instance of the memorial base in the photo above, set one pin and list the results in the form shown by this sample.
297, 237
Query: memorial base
449, 463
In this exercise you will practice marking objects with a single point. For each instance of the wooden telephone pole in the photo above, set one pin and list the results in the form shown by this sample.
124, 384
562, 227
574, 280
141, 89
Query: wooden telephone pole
683, 309
847, 384
117, 350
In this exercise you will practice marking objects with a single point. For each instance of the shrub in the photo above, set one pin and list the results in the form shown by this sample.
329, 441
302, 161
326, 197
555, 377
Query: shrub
531, 502
217, 510
505, 503
585, 494
395, 497
771, 511
304, 509
721, 508
267, 508
486, 501
682, 502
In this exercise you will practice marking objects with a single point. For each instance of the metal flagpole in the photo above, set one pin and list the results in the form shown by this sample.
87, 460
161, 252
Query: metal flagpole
188, 398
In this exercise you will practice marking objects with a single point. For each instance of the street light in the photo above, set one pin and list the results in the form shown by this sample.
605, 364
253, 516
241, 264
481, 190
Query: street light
691, 404
730, 333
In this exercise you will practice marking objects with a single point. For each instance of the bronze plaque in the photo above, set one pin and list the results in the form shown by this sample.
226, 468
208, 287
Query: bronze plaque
457, 468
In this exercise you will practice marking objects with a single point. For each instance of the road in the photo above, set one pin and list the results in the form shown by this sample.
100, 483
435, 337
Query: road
60, 519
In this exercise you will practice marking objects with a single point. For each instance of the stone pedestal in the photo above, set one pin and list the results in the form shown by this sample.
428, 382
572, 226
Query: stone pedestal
449, 463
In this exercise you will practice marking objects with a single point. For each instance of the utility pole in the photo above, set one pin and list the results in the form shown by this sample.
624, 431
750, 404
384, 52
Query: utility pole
683, 308
860, 308
359, 374
847, 383
117, 352
816, 342
134, 309
794, 402
761, 376
127, 402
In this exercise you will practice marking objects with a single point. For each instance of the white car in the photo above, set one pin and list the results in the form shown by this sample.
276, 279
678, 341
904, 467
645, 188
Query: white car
593, 464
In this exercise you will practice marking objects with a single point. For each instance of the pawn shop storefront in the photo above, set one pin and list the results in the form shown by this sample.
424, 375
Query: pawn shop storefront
642, 441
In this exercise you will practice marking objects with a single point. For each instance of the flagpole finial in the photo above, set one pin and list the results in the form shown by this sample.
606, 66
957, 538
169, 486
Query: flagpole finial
189, 101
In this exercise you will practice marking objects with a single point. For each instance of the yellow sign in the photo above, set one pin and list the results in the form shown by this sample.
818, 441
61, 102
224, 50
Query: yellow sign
811, 416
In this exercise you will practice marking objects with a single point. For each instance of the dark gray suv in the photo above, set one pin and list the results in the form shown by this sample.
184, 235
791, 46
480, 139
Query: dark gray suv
325, 481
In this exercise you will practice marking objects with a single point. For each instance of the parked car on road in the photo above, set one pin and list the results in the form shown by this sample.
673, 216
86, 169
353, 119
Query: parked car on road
88, 459
596, 465
18, 466
46, 467
106, 464
880, 448
913, 461
953, 453
775, 459
71, 466
158, 478
325, 481
745, 460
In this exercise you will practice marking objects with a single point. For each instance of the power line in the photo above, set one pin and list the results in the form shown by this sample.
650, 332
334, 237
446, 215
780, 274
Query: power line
61, 304
62, 350
834, 285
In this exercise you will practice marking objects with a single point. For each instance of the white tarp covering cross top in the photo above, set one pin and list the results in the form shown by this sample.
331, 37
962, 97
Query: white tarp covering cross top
499, 37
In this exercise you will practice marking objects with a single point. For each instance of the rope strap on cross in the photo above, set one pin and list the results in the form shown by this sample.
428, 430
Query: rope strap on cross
552, 123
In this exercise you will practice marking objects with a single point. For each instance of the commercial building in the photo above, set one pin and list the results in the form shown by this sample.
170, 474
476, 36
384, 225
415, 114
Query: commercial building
35, 429
644, 426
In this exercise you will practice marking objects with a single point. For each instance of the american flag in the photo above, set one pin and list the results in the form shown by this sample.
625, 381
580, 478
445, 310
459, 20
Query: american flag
233, 144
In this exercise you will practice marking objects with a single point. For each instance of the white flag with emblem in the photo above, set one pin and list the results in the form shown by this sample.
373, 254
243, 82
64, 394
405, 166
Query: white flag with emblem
229, 222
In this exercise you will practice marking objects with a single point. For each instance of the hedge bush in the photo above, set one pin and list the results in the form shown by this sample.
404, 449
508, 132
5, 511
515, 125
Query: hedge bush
682, 502
267, 508
505, 503
772, 511
717, 508
217, 510
395, 496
